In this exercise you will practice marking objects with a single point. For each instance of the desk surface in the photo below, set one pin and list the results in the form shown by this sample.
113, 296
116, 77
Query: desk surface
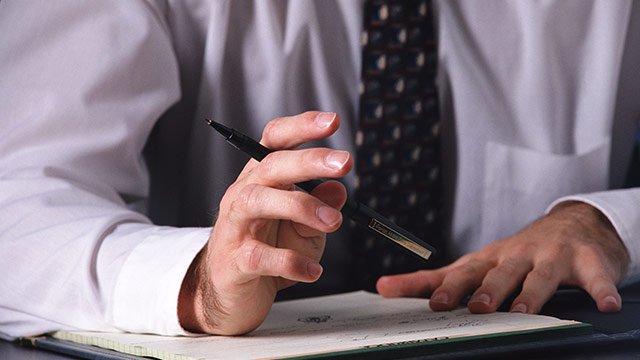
567, 304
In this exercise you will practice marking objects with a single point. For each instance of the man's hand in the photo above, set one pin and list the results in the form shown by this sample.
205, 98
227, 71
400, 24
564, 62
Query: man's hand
573, 245
267, 235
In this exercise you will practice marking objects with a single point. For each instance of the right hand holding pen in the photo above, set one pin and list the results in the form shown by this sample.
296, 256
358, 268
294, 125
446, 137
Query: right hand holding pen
267, 235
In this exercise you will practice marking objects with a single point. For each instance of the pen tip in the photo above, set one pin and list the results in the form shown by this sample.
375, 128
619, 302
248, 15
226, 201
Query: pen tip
225, 131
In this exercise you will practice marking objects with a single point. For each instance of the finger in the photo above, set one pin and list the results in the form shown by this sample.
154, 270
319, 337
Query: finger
331, 193
248, 168
603, 290
260, 202
312, 246
458, 282
606, 296
256, 259
499, 282
538, 287
592, 275
416, 284
295, 166
292, 131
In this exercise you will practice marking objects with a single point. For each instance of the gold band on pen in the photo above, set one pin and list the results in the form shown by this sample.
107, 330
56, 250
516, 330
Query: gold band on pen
394, 236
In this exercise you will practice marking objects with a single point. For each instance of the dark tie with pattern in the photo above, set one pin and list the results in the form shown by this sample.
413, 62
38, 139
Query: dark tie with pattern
397, 143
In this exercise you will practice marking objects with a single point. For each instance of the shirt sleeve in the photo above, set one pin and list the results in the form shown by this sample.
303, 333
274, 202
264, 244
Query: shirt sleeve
83, 83
622, 208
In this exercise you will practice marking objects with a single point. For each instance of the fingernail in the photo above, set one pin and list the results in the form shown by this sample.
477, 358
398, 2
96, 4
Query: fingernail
611, 300
314, 269
328, 215
337, 159
324, 119
481, 298
519, 308
441, 298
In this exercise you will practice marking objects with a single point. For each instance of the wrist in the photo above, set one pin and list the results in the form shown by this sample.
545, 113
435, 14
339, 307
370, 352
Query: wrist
189, 297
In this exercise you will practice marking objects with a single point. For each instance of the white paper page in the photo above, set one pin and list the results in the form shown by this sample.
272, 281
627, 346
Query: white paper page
325, 324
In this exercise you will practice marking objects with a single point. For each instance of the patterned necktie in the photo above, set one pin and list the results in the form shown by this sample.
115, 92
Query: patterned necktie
397, 143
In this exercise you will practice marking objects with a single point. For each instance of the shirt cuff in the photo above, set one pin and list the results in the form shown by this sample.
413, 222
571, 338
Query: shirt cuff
147, 288
622, 209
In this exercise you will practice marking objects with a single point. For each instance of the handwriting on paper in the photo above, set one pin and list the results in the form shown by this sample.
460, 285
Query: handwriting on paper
315, 319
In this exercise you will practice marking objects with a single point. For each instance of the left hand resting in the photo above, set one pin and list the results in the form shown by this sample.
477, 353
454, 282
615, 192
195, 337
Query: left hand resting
573, 245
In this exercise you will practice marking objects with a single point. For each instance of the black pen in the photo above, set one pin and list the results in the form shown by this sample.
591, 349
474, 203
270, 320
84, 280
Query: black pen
358, 212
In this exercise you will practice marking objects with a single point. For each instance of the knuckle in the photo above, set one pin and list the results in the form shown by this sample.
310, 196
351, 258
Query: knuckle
287, 261
233, 188
295, 203
562, 248
248, 198
469, 269
600, 277
309, 156
310, 114
523, 249
505, 269
565, 232
591, 254
229, 195
544, 271
463, 259
252, 256
269, 165
270, 129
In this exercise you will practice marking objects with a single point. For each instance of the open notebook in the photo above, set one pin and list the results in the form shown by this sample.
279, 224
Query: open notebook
357, 323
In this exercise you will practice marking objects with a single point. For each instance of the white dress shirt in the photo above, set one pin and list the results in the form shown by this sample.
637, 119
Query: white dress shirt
539, 104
